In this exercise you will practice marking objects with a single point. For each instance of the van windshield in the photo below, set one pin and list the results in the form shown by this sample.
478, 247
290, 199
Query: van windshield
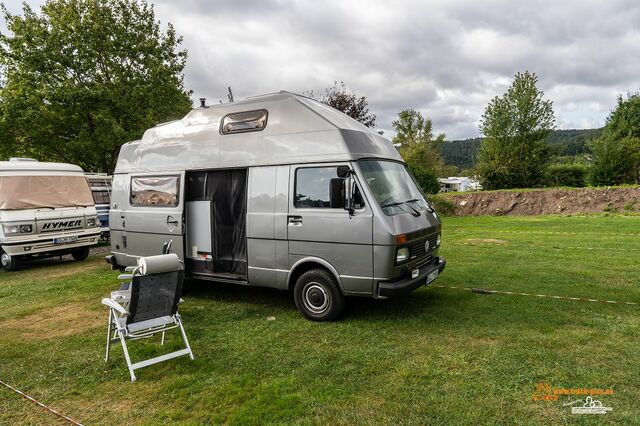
392, 185
41, 191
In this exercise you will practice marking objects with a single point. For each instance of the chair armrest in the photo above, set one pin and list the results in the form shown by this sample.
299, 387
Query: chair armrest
130, 268
123, 277
114, 305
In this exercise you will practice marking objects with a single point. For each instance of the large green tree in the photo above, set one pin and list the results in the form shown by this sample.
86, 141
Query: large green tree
419, 148
514, 153
81, 77
616, 153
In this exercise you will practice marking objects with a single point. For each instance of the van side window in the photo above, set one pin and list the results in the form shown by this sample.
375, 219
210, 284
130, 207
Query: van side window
313, 188
157, 191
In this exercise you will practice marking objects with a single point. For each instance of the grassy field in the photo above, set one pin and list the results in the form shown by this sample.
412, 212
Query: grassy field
439, 355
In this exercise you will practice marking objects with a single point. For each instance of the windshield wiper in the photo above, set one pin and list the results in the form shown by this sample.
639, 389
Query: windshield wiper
419, 199
392, 204
398, 203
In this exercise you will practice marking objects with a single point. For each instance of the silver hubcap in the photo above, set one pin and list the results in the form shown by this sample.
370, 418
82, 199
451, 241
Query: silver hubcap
5, 259
315, 298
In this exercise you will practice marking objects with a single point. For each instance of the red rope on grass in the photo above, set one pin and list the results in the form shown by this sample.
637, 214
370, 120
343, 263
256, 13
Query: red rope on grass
51, 410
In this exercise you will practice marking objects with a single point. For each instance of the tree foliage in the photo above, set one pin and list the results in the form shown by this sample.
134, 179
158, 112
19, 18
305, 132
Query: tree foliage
514, 153
616, 154
567, 174
338, 97
417, 145
84, 76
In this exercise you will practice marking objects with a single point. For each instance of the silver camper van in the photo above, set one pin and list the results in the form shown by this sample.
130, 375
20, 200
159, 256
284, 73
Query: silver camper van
46, 209
277, 191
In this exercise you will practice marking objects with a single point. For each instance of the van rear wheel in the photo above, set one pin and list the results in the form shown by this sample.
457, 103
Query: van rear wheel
318, 297
81, 253
9, 263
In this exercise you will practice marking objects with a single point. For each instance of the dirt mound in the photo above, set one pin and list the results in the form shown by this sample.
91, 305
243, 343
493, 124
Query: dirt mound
546, 201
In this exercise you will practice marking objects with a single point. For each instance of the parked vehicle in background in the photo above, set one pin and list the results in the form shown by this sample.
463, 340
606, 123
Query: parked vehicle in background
46, 209
459, 184
277, 191
100, 184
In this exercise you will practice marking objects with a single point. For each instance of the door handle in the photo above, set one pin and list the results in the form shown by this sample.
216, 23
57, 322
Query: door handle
172, 223
294, 220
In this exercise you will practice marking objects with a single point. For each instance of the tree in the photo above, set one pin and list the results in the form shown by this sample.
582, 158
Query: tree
514, 153
616, 153
356, 107
84, 76
418, 147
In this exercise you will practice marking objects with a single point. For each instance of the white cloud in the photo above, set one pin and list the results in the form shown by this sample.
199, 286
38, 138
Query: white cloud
444, 58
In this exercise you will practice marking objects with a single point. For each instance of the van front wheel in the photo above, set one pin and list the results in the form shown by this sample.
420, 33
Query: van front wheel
8, 263
318, 297
80, 254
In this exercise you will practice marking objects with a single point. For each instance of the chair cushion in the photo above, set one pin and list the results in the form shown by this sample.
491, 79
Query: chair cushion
150, 323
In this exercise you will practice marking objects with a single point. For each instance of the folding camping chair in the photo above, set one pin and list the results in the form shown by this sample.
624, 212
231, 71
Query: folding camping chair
147, 304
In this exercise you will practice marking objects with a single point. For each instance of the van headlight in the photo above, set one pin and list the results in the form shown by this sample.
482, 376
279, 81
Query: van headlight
26, 229
402, 254
91, 222
438, 241
11, 229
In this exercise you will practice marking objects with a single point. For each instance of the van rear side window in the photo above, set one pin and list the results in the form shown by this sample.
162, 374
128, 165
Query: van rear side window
155, 191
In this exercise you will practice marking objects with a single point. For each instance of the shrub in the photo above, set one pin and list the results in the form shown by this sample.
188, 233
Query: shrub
442, 205
574, 175
427, 180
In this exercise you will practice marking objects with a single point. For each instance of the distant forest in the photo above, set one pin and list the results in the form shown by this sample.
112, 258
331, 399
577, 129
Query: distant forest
462, 153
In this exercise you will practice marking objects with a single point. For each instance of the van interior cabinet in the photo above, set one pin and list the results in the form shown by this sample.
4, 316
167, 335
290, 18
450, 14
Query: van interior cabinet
199, 248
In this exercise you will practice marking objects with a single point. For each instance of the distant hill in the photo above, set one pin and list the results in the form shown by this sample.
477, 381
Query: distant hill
462, 153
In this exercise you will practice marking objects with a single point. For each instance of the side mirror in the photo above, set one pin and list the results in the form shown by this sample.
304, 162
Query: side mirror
336, 193
349, 187
343, 171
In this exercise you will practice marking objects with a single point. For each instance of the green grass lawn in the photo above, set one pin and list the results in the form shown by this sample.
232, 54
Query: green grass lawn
438, 355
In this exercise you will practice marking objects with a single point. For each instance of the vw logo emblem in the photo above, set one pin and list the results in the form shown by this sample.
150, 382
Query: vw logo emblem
426, 245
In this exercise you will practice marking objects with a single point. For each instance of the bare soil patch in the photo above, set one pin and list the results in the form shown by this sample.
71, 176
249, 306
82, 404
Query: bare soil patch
484, 241
54, 322
546, 201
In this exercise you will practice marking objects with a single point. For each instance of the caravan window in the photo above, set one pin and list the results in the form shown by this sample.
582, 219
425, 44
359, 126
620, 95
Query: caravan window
157, 191
101, 197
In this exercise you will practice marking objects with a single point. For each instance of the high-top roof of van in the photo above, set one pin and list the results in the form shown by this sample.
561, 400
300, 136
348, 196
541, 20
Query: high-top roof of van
22, 165
298, 130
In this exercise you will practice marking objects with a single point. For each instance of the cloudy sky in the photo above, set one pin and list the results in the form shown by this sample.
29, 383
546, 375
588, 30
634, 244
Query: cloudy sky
444, 58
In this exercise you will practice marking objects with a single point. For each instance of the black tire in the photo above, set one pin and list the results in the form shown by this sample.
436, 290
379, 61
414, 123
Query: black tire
318, 297
9, 263
81, 253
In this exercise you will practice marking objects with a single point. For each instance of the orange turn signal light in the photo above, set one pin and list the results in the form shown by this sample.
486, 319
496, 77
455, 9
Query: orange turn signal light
401, 239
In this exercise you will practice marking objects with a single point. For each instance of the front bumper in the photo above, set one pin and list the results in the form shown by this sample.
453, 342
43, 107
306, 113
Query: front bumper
43, 244
407, 285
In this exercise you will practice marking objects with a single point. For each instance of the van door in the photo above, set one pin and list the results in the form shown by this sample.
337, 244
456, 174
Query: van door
315, 229
155, 214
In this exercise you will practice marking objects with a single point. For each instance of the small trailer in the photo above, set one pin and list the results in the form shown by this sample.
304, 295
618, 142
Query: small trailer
46, 209
277, 191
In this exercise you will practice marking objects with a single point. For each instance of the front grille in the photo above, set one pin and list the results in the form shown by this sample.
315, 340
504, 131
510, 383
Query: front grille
417, 249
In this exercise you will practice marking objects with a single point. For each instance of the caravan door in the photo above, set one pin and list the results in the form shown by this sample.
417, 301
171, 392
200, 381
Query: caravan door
155, 214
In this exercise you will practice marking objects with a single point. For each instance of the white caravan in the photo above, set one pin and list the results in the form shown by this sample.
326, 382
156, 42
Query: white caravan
46, 209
